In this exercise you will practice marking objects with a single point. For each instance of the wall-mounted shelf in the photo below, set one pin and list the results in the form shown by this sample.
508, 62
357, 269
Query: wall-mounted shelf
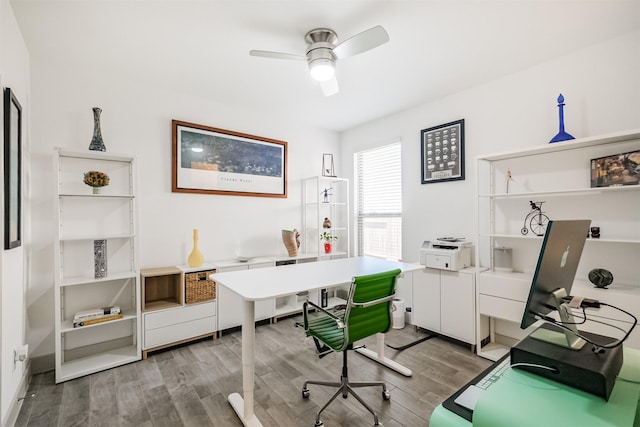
560, 175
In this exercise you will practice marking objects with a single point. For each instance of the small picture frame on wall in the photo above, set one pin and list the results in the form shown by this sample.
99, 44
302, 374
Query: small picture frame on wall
616, 170
12, 170
442, 152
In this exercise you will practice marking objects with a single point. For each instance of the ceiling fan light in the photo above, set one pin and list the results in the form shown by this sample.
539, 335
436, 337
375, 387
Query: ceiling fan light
322, 69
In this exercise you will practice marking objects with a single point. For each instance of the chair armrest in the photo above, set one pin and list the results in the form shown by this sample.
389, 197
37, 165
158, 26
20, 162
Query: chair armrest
374, 302
339, 321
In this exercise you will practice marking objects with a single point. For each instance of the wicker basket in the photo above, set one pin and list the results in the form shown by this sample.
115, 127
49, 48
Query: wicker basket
198, 287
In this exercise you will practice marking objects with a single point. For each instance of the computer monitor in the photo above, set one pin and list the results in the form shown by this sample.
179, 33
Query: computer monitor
552, 281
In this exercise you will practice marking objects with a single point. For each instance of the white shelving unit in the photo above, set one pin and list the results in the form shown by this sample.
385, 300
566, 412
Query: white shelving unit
83, 217
326, 197
560, 175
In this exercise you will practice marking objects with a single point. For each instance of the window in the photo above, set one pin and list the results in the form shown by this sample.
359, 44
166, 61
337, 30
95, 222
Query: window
378, 187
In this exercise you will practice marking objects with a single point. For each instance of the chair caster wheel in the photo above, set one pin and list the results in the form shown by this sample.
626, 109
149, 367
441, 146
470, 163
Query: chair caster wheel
305, 393
377, 425
318, 424
386, 395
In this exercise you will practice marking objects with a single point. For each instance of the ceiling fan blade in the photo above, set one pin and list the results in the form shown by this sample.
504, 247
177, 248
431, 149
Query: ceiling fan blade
362, 42
329, 87
278, 55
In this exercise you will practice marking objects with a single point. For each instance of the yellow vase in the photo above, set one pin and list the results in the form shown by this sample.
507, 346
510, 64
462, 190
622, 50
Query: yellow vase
195, 257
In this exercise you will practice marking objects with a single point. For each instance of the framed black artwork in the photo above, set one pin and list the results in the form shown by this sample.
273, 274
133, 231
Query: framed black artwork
442, 149
12, 170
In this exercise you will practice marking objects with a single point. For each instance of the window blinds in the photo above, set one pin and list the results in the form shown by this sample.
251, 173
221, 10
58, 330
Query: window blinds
379, 201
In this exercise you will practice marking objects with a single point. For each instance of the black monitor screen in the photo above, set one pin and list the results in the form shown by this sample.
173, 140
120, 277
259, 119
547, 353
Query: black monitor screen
557, 264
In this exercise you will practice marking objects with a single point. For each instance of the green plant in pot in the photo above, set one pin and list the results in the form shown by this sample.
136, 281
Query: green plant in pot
327, 238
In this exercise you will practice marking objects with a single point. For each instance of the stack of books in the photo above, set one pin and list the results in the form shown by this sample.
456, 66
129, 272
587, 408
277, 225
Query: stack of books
96, 315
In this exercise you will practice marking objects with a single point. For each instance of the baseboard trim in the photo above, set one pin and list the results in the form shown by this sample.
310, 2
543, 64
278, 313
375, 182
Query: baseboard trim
18, 398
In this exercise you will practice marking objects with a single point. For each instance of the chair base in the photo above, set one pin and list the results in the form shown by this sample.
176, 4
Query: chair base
345, 388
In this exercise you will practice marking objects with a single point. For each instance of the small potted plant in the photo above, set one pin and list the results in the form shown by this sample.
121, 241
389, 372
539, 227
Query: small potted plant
327, 238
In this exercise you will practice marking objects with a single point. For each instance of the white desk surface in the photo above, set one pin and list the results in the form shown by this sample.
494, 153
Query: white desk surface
270, 282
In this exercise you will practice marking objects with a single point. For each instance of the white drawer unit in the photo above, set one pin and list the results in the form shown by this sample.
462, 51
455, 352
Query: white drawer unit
176, 325
167, 317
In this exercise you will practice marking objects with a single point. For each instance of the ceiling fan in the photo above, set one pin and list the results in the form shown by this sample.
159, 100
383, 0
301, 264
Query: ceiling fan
323, 50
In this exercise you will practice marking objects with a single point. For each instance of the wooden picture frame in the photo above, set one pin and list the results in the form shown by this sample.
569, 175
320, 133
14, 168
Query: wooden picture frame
442, 152
12, 170
209, 160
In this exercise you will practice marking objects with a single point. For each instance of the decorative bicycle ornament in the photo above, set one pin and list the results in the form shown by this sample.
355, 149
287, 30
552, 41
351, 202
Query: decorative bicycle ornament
536, 220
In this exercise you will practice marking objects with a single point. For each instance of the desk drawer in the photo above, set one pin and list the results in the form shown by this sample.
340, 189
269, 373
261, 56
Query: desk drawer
163, 318
514, 286
501, 307
179, 331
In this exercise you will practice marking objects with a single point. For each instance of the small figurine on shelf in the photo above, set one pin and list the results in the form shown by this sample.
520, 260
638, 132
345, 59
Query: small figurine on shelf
325, 194
536, 220
509, 178
326, 223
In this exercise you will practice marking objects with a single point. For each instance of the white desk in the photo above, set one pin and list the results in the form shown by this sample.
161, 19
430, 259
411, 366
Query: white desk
273, 282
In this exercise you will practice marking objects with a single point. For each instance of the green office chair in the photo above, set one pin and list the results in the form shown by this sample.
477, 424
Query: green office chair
366, 312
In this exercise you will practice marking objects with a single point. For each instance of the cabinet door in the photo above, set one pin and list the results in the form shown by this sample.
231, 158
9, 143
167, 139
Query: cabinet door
457, 304
426, 299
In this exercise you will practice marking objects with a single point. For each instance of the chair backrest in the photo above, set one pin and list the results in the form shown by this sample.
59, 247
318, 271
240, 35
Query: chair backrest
362, 319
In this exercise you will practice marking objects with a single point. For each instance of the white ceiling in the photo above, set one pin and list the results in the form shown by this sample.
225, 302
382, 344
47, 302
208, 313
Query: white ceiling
201, 47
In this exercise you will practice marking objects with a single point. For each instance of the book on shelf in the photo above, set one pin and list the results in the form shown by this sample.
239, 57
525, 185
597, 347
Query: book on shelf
96, 320
96, 313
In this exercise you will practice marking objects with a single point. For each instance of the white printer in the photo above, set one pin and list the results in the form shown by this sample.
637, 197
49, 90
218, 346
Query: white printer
446, 253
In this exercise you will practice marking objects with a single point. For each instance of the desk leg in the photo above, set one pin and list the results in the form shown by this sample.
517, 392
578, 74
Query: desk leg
381, 359
244, 407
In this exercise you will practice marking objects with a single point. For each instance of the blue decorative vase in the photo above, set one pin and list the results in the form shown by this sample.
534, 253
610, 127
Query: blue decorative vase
97, 144
562, 135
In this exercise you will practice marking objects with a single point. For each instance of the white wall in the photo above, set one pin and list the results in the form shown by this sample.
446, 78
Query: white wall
136, 119
14, 73
601, 86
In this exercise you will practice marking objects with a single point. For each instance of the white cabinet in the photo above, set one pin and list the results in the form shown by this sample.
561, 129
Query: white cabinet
325, 199
86, 221
444, 302
559, 175
292, 304
230, 307
179, 304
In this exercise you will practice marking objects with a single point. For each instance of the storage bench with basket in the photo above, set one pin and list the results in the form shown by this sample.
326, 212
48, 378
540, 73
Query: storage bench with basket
181, 306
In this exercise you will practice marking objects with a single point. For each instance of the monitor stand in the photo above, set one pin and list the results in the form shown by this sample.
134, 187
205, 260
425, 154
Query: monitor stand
560, 336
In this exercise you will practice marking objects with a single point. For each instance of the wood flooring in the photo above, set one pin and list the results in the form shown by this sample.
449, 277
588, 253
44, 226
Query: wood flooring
188, 385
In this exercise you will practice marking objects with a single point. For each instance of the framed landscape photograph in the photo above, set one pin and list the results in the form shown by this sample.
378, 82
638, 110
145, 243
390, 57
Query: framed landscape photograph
442, 149
216, 161
12, 170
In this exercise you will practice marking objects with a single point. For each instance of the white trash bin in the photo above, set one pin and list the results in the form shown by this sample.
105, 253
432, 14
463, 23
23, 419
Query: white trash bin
397, 309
